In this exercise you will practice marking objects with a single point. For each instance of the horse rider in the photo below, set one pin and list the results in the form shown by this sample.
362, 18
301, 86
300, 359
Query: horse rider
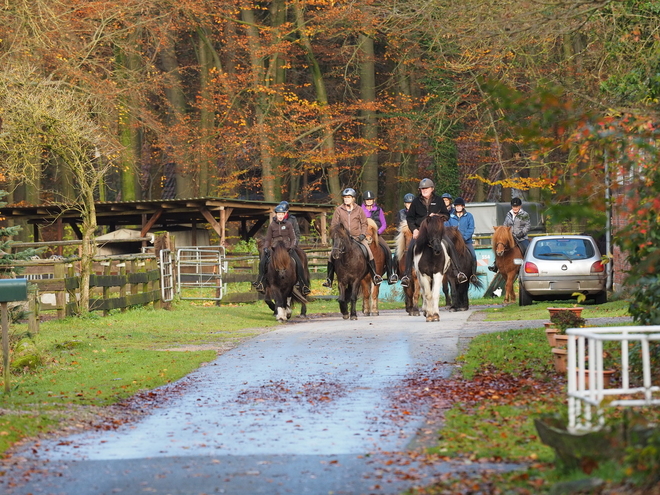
403, 212
448, 199
281, 231
427, 203
375, 212
291, 218
520, 223
352, 217
465, 224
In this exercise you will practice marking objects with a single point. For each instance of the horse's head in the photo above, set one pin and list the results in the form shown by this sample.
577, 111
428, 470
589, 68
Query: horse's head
431, 232
502, 240
372, 231
340, 240
280, 259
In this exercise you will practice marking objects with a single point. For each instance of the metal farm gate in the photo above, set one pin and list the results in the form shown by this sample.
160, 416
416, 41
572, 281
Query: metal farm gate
166, 276
199, 272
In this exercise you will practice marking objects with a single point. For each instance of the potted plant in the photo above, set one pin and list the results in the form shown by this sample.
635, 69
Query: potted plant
580, 298
563, 320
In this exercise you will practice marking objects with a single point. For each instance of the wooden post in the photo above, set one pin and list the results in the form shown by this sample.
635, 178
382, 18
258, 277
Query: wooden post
107, 265
324, 234
59, 271
122, 287
33, 309
5, 345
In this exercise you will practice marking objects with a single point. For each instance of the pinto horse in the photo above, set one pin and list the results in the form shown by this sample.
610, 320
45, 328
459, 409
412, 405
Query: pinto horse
350, 268
411, 293
370, 291
439, 252
506, 251
281, 280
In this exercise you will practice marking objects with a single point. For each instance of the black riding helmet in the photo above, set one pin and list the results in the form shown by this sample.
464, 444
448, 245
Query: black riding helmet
516, 202
368, 195
459, 201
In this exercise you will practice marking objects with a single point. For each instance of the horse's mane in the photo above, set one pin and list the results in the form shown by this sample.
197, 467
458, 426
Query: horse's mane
280, 258
431, 226
402, 239
338, 230
503, 234
372, 230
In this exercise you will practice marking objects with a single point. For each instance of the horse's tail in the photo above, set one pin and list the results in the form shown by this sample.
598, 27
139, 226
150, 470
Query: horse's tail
476, 282
400, 240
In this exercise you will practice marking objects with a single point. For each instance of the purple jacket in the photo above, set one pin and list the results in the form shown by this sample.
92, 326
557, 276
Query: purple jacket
377, 215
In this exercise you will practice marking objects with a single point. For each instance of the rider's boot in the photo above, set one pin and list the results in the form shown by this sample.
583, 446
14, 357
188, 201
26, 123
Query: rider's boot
331, 275
393, 276
372, 268
493, 267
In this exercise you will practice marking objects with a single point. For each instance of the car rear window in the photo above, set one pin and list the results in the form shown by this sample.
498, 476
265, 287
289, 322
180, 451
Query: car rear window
564, 249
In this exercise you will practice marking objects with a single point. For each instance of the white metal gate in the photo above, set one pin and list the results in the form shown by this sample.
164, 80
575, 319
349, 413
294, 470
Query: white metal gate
199, 272
166, 275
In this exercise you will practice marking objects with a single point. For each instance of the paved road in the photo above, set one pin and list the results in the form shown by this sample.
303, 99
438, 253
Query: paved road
304, 409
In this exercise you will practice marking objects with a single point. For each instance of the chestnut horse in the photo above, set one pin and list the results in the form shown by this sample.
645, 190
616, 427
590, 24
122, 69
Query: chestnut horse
369, 289
506, 251
350, 268
281, 280
411, 293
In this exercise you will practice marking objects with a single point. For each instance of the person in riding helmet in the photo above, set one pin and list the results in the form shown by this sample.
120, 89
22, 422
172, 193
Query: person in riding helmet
520, 223
373, 211
291, 218
280, 231
425, 204
448, 199
352, 217
465, 224
403, 212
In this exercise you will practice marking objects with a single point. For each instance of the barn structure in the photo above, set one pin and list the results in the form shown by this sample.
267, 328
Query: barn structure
165, 214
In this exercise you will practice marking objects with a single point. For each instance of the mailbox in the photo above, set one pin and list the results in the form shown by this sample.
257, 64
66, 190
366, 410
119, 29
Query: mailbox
13, 289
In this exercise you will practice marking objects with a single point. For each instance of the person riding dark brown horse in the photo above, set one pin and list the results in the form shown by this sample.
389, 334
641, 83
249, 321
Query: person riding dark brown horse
281, 278
352, 217
351, 268
281, 231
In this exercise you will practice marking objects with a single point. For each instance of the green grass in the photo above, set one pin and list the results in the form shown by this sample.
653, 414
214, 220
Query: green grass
514, 352
538, 310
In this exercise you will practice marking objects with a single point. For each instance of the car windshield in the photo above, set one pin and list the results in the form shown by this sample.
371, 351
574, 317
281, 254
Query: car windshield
568, 249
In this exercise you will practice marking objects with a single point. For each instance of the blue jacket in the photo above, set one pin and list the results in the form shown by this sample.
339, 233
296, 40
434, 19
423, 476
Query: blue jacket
466, 226
452, 222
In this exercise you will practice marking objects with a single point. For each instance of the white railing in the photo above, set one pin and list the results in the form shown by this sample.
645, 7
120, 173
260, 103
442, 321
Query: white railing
586, 391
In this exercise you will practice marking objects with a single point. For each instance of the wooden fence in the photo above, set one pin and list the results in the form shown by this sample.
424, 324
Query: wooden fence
116, 282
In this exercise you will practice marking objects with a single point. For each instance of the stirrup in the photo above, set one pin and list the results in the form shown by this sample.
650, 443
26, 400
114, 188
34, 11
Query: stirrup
305, 290
461, 277
327, 283
259, 287
393, 279
405, 281
377, 279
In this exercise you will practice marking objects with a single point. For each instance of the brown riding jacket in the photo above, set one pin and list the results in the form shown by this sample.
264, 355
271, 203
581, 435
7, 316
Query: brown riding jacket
355, 221
282, 233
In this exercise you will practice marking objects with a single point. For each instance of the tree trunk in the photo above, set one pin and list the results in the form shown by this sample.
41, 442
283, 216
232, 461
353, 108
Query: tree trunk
369, 119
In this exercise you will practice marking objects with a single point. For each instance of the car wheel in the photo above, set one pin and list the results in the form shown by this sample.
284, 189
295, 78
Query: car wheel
601, 297
524, 299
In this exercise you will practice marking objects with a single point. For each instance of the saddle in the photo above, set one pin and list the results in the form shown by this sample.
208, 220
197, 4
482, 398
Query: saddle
363, 247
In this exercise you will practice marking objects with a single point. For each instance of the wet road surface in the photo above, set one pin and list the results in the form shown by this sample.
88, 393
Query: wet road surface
304, 409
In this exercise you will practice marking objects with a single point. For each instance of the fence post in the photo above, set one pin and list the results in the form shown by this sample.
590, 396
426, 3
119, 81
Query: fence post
60, 272
122, 287
107, 266
33, 309
155, 284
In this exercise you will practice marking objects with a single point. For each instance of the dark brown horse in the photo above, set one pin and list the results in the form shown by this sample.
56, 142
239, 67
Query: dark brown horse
369, 289
506, 251
439, 252
411, 293
281, 280
462, 261
350, 268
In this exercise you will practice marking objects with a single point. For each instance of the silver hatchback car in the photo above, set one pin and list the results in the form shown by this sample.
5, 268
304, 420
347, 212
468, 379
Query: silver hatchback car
557, 266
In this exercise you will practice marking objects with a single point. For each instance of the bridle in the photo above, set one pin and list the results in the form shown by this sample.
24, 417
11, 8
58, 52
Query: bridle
505, 248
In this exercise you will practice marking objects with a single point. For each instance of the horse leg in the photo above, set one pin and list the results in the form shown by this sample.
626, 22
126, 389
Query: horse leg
354, 294
437, 284
445, 290
415, 295
366, 296
303, 310
427, 295
510, 294
343, 306
374, 300
288, 308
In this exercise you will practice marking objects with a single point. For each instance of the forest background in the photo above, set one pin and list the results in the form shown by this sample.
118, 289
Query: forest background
295, 100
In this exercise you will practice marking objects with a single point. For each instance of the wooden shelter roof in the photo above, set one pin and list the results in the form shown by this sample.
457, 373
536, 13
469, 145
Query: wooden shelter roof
164, 213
